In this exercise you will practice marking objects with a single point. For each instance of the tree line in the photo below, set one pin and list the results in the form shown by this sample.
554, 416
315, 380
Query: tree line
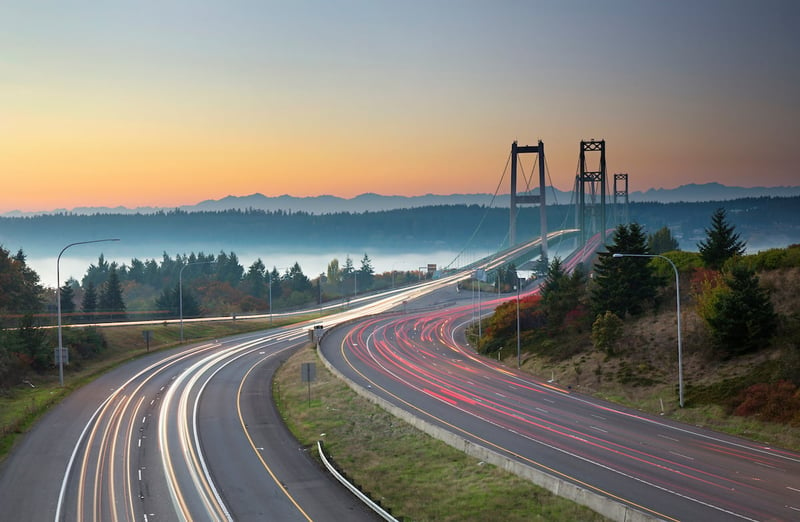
445, 226
196, 284
723, 284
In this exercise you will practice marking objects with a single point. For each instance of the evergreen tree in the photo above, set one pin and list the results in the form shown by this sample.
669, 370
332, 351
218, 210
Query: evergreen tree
67, 299
274, 282
721, 242
97, 274
255, 280
20, 291
89, 301
298, 281
366, 273
228, 269
110, 299
742, 318
561, 293
661, 241
624, 285
170, 300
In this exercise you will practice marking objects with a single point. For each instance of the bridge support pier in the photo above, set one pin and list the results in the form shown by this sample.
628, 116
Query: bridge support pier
592, 179
539, 199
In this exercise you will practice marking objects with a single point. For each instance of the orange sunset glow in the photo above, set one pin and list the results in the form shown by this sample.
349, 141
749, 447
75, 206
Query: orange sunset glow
164, 107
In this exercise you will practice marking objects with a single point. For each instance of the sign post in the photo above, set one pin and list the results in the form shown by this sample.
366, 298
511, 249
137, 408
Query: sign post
147, 334
308, 372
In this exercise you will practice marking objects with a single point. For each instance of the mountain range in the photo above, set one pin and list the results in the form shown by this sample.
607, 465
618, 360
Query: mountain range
370, 202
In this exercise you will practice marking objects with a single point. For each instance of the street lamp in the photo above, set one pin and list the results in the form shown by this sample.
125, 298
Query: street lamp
678, 305
58, 304
180, 287
519, 356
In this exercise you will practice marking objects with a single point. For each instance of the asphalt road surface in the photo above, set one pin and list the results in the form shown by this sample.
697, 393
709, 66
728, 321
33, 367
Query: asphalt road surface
418, 361
186, 435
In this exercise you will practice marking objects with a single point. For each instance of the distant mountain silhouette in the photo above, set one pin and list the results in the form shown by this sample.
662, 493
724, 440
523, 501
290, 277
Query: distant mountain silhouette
370, 202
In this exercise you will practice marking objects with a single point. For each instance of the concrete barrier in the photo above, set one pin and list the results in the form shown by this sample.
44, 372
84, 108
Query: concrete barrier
601, 504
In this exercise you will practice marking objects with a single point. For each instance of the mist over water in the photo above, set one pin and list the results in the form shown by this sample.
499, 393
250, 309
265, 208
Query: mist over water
312, 263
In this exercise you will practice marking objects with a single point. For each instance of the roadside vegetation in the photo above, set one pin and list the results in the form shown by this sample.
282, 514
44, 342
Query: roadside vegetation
412, 474
104, 348
614, 335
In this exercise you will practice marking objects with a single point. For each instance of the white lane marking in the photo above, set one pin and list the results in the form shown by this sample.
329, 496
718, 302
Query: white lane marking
682, 455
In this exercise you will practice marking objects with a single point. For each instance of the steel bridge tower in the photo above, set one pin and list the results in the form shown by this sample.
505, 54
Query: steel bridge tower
592, 179
528, 198
621, 199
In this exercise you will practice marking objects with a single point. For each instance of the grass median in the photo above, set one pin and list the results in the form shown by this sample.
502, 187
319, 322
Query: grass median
414, 475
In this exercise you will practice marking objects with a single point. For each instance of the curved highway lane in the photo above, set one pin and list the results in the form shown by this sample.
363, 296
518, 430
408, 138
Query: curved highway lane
188, 434
664, 469
175, 437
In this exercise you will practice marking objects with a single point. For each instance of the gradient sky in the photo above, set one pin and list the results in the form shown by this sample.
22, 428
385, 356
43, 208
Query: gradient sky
169, 103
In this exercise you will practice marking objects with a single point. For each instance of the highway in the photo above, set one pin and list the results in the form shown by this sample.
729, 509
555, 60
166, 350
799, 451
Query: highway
186, 434
661, 469
191, 434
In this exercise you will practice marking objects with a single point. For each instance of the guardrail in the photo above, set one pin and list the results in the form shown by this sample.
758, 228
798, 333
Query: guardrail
357, 492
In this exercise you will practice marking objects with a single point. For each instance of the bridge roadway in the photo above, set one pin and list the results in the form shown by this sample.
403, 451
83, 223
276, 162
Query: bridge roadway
186, 434
420, 362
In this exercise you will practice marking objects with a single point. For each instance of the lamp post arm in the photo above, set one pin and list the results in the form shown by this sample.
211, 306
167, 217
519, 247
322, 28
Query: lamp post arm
58, 303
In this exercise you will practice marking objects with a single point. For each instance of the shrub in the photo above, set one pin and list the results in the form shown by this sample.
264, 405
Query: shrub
606, 331
774, 402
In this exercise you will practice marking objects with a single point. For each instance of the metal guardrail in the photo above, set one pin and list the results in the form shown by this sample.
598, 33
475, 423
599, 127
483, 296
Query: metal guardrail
357, 492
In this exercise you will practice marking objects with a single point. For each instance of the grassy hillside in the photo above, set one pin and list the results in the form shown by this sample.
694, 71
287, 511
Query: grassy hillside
729, 394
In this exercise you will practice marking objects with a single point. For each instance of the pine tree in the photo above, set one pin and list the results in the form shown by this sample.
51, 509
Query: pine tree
89, 301
561, 293
721, 242
624, 285
170, 300
110, 299
742, 317
67, 296
366, 273
661, 241
255, 279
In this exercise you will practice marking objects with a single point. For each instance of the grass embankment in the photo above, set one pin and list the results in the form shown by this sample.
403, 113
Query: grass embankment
21, 407
643, 372
414, 475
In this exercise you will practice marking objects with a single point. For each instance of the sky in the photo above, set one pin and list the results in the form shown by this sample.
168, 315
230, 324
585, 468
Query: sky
170, 103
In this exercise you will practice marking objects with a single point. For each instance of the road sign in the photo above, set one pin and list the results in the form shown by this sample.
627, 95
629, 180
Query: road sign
309, 372
64, 356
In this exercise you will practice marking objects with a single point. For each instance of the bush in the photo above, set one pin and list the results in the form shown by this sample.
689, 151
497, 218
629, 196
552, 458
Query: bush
774, 402
606, 331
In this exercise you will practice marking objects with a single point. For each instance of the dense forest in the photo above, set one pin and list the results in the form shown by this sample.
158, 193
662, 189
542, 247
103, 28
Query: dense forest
762, 222
184, 286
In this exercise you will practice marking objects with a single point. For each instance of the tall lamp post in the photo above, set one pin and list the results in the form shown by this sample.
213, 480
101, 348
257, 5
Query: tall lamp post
678, 306
180, 288
519, 354
58, 303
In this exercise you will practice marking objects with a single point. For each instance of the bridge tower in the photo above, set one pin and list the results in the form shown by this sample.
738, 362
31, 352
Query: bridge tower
621, 199
527, 198
592, 178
